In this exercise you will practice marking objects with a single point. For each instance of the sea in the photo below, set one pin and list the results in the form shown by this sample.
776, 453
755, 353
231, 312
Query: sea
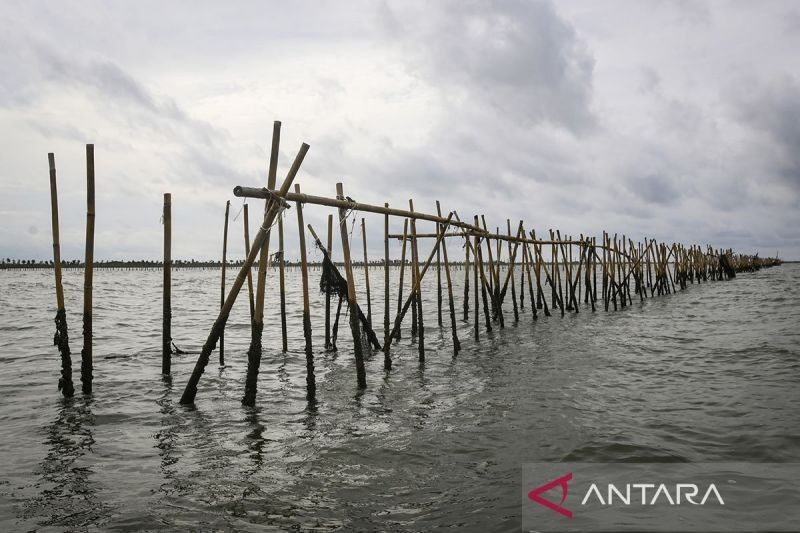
706, 374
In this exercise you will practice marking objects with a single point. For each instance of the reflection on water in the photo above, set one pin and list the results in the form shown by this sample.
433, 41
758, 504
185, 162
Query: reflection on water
68, 491
695, 376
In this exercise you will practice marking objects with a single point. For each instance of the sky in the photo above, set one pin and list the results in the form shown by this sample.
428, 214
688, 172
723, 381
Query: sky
673, 120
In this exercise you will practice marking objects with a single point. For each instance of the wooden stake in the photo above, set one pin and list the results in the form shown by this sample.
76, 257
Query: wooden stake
466, 281
61, 338
311, 387
355, 327
451, 304
166, 317
222, 285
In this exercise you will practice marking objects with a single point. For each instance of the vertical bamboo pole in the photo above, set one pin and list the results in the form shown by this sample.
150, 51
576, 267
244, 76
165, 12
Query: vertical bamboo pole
166, 316
254, 352
61, 337
402, 272
327, 294
355, 329
456, 343
282, 286
466, 280
250, 296
418, 282
526, 254
366, 272
88, 271
511, 268
387, 361
438, 273
475, 281
311, 387
222, 284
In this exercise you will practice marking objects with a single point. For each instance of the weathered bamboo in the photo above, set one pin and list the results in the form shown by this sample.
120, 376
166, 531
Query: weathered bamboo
190, 392
61, 337
88, 271
282, 287
328, 345
387, 362
466, 281
450, 302
402, 273
222, 284
250, 295
166, 316
366, 272
311, 387
527, 262
417, 284
438, 273
511, 272
355, 327
476, 285
409, 302
262, 251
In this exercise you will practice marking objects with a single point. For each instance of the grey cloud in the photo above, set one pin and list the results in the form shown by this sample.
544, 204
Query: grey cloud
774, 110
654, 188
517, 56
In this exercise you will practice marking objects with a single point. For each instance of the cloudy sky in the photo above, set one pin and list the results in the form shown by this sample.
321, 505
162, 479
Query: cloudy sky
678, 120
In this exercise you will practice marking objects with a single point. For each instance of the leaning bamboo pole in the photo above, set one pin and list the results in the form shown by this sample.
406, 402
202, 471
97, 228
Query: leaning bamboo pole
282, 287
190, 392
61, 337
402, 273
450, 302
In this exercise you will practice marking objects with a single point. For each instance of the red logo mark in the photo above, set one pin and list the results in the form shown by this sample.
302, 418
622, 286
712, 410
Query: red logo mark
563, 482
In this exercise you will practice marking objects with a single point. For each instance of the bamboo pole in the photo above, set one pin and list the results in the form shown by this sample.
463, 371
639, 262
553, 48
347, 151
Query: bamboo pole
355, 328
414, 288
466, 281
166, 320
386, 339
402, 272
282, 287
366, 271
438, 273
250, 296
262, 251
451, 304
511, 271
476, 258
222, 284
327, 294
418, 285
311, 387
88, 272
261, 277
61, 337
190, 392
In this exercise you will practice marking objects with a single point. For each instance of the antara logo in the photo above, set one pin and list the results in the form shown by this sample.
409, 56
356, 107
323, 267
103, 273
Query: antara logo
633, 493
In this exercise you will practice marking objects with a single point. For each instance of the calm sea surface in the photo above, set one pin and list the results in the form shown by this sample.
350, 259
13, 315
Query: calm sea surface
708, 374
